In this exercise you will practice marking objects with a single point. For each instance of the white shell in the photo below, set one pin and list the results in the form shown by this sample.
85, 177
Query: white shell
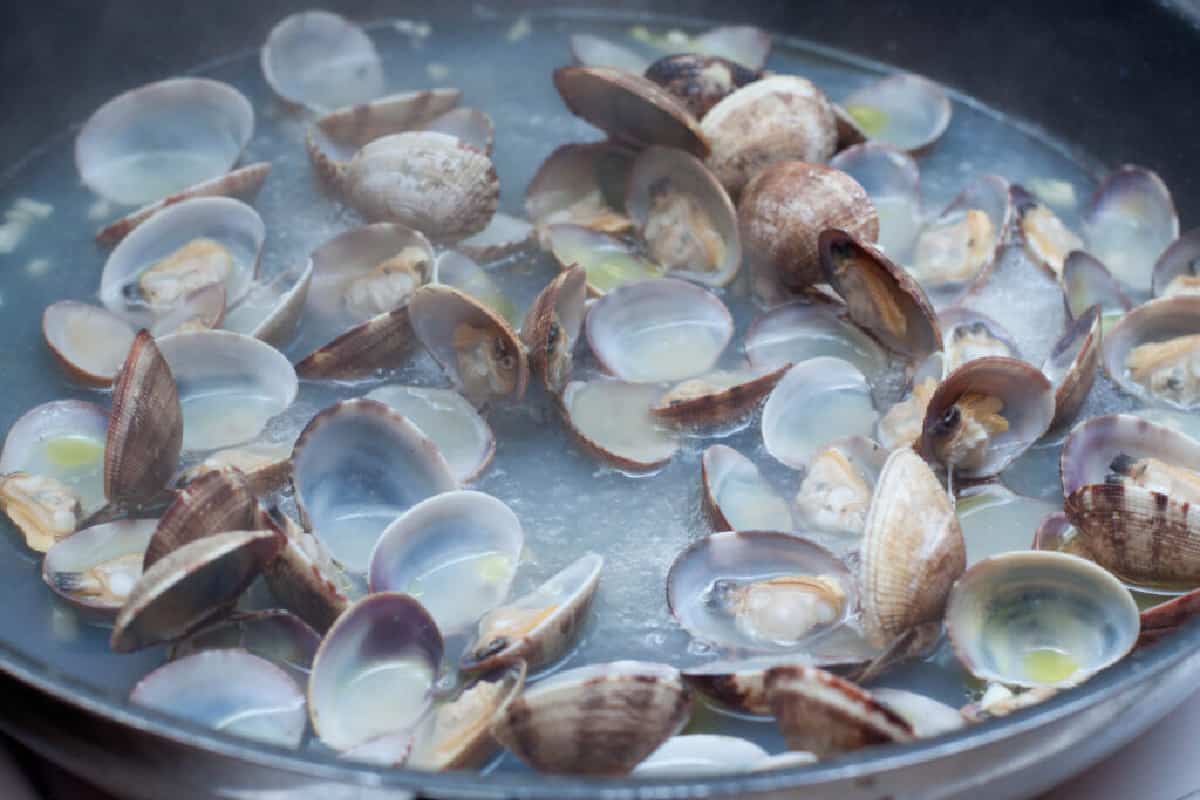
64, 440
913, 111
449, 420
793, 428
891, 179
700, 754
614, 420
90, 342
321, 60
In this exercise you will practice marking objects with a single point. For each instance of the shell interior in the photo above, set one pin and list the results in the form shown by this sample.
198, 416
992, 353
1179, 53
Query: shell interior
321, 60
892, 181
614, 419
98, 566
792, 434
449, 420
63, 440
903, 110
798, 331
740, 496
92, 342
610, 262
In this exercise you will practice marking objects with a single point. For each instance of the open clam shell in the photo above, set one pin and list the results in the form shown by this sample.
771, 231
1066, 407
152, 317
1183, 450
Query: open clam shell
700, 754
1094, 446
630, 108
460, 271
356, 467
985, 414
552, 327
476, 347
608, 261
1071, 366
1151, 352
90, 343
229, 386
597, 720
891, 179
718, 396
278, 636
539, 627
456, 553
266, 465
162, 138
263, 704
96, 567
374, 672
321, 60
685, 216
271, 309
201, 309
63, 440
759, 591
1039, 619
457, 734
180, 249
1047, 239
792, 433
191, 586
960, 246
1128, 223
735, 495
659, 330
968, 335
582, 184
700, 81
351, 127
470, 125
1176, 270
449, 421
613, 420
904, 110
835, 493
1087, 282
823, 714
911, 538
383, 342
303, 577
798, 331
215, 502
504, 235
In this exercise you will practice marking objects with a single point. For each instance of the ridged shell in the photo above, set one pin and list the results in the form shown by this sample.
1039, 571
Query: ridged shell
1176, 269
384, 341
355, 126
552, 327
215, 502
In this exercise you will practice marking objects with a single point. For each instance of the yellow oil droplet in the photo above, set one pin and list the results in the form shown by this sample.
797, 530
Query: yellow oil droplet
872, 120
73, 451
1049, 665
609, 273
494, 567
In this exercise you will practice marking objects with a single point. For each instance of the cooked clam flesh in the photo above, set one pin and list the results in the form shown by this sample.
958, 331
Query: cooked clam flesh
486, 364
390, 284
680, 234
782, 610
1157, 476
901, 425
962, 435
955, 249
1048, 237
199, 263
835, 494
109, 581
44, 509
1169, 369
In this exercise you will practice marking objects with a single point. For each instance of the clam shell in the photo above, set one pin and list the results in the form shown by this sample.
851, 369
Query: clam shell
89, 343
608, 261
594, 51
162, 138
384, 341
1092, 445
321, 60
904, 110
449, 421
271, 310
457, 734
460, 271
926, 716
504, 235
1180, 262
64, 440
68, 568
891, 179
352, 127
1158, 320
303, 577
717, 397
267, 466
278, 636
798, 331
202, 309
989, 194
700, 81
735, 495
835, 492
700, 754
1071, 366
1052, 534
596, 720
1166, 617
911, 539
1010, 606
582, 183
1047, 239
374, 672
967, 335
214, 502
470, 125
613, 420
791, 433
1128, 223
1087, 282
552, 327
191, 586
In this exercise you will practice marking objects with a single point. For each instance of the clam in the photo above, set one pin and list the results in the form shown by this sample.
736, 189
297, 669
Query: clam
275, 635
892, 181
1128, 223
1127, 450
1167, 617
719, 396
779, 118
1047, 239
63, 440
1087, 282
303, 577
582, 184
901, 425
271, 309
1054, 533
469, 125
927, 717
215, 502
449, 421
185, 247
608, 261
504, 235
356, 467
613, 420
44, 509
459, 271
804, 329
1000, 701
1039, 619
96, 567
263, 704
552, 327
787, 205
823, 714
539, 627
201, 309
968, 335
962, 243
791, 433
1176, 270
700, 754
456, 553
759, 591
457, 733
601, 719
629, 108
90, 343
266, 465
904, 110
911, 539
374, 673
985, 414
191, 586
1071, 366
1153, 352
162, 138
229, 386
477, 348
684, 215
351, 127
658, 330
700, 81
735, 495
837, 487
321, 60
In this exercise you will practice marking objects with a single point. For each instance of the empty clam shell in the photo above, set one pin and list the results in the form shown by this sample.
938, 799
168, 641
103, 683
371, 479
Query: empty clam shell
630, 108
1039, 619
461, 272
583, 184
552, 327
271, 309
539, 627
903, 110
162, 138
1087, 282
352, 127
229, 386
801, 330
457, 734
912, 549
700, 81
1095, 448
891, 179
658, 330
96, 567
278, 636
321, 60
456, 553
449, 421
597, 720
1176, 270
613, 420
504, 235
686, 218
215, 502
1151, 352
1128, 223
735, 495
608, 261
821, 713
63, 440
374, 672
837, 487
472, 126
792, 432
968, 335
356, 467
1071, 366
191, 586
718, 396
700, 754
263, 704
594, 51
779, 118
759, 591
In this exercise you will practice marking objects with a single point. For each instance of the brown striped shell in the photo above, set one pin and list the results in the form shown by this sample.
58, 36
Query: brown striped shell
217, 501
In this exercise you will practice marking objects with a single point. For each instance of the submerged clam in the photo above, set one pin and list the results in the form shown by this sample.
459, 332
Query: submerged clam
961, 245
552, 327
838, 483
758, 590
321, 60
904, 110
891, 179
582, 184
1039, 619
613, 420
791, 433
1153, 352
1087, 282
968, 335
735, 495
1128, 223
97, 567
449, 421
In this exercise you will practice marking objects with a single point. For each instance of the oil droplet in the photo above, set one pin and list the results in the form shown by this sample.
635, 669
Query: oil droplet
494, 567
1049, 665
872, 120
73, 451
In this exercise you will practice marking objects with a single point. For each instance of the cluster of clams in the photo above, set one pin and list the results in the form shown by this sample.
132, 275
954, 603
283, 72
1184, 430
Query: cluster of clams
873, 371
